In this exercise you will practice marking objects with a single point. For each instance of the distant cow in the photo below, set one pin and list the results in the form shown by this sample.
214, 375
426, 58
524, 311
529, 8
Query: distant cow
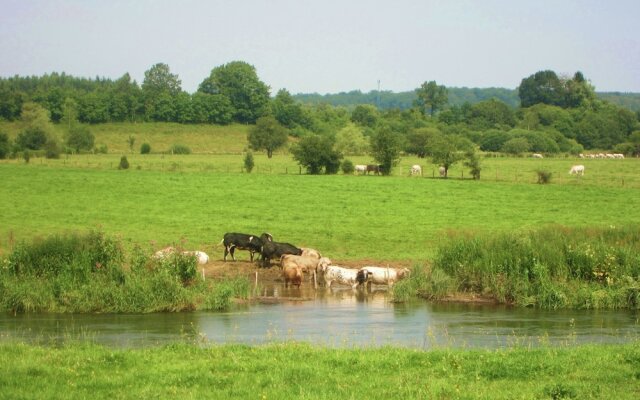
416, 170
306, 264
577, 170
537, 155
241, 241
376, 169
271, 249
360, 169
442, 171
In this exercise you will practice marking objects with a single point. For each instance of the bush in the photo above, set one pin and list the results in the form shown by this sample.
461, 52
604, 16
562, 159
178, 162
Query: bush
102, 149
52, 149
179, 149
347, 167
32, 138
544, 177
80, 138
4, 145
145, 148
124, 163
248, 162
182, 266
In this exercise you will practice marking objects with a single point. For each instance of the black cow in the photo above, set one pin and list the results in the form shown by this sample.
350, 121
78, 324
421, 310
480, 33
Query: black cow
376, 169
241, 241
271, 249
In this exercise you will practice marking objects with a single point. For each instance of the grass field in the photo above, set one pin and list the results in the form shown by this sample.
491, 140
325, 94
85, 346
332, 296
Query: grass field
290, 370
193, 198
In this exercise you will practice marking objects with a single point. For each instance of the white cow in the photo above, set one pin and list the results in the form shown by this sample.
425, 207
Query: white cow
416, 170
385, 275
200, 256
442, 171
537, 155
618, 155
361, 169
577, 170
345, 276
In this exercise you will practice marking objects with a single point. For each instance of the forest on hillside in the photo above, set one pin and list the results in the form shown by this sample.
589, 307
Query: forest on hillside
546, 114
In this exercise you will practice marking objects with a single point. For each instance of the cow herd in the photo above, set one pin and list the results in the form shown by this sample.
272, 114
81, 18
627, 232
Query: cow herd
296, 261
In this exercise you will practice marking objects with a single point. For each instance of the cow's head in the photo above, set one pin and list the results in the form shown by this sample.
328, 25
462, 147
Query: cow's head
362, 276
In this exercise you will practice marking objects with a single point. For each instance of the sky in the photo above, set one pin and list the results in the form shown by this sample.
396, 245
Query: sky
328, 46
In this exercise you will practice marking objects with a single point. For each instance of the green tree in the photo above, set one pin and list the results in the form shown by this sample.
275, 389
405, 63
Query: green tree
37, 128
69, 113
446, 150
4, 145
80, 138
159, 89
248, 162
541, 87
267, 135
317, 154
287, 110
516, 146
211, 108
351, 141
238, 81
385, 148
431, 97
417, 140
490, 114
365, 115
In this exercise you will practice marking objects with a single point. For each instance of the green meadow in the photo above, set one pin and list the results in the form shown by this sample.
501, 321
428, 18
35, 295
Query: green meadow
291, 370
194, 199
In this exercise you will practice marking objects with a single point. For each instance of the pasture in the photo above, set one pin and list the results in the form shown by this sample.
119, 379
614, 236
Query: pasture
295, 370
193, 200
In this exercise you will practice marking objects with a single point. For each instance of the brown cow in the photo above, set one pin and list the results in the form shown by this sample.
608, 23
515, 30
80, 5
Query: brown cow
292, 275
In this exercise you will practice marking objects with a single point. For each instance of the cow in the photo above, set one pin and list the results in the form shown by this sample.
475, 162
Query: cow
271, 249
577, 170
306, 264
309, 252
442, 171
360, 169
384, 275
376, 169
345, 276
241, 241
416, 170
537, 155
618, 155
292, 275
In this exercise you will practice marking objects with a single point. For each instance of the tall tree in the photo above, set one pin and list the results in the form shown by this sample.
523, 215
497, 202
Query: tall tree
446, 150
159, 89
287, 110
268, 135
385, 148
541, 87
239, 82
431, 97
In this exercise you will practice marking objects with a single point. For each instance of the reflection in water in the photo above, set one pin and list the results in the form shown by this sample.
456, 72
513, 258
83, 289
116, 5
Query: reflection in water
336, 317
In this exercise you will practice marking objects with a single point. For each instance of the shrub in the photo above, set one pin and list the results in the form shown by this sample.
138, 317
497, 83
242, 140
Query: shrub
182, 266
52, 149
26, 156
347, 167
32, 138
179, 149
124, 163
80, 138
248, 162
145, 148
4, 145
544, 177
102, 149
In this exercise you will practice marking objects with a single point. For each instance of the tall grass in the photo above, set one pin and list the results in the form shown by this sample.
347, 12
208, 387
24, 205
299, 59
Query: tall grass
89, 273
552, 267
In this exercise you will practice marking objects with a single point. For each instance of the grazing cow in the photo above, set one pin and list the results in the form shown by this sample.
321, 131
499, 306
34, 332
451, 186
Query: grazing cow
376, 169
537, 155
577, 170
442, 171
385, 276
241, 241
360, 169
618, 155
292, 275
306, 264
271, 249
345, 276
416, 170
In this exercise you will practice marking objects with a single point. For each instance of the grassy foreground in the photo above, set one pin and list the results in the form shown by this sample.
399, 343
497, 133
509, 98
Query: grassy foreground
294, 370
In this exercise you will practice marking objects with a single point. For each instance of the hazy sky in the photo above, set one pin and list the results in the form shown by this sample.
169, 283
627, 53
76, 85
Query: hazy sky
328, 46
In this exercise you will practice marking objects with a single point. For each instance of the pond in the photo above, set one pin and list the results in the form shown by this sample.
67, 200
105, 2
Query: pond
335, 318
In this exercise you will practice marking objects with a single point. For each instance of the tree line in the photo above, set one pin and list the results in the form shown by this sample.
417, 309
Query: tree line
557, 115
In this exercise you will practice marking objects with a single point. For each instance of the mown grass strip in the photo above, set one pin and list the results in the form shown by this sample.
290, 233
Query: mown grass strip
294, 370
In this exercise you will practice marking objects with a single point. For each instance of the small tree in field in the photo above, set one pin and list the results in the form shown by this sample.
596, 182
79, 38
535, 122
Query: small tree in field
268, 135
316, 153
385, 149
145, 148
248, 162
124, 163
347, 167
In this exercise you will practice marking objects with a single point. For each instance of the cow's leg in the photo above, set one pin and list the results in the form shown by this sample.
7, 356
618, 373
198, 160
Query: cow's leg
226, 251
251, 255
232, 250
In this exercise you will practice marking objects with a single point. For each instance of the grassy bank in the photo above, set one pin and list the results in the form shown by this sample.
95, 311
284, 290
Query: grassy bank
286, 371
553, 267
91, 273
